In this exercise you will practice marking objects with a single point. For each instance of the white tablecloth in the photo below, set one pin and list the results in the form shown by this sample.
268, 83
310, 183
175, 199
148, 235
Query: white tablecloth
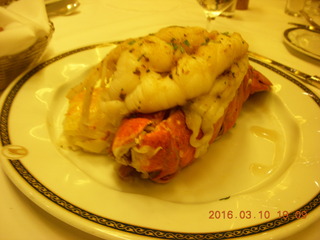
262, 26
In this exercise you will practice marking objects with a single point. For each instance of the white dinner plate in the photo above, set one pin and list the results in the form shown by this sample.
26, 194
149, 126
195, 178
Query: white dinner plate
259, 180
304, 41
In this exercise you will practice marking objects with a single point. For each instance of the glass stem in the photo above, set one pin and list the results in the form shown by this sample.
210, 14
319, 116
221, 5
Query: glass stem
210, 21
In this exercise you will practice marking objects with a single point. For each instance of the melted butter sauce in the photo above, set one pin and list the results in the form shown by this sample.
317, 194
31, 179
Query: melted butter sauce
259, 169
265, 133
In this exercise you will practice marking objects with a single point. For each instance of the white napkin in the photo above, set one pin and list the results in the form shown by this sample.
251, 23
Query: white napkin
22, 22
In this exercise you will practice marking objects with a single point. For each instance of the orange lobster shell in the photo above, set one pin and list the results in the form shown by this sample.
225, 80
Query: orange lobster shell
167, 134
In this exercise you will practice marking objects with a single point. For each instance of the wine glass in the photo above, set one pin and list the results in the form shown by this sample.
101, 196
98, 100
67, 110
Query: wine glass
213, 8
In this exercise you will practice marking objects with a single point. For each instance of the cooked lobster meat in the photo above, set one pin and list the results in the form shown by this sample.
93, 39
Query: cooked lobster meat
158, 145
157, 102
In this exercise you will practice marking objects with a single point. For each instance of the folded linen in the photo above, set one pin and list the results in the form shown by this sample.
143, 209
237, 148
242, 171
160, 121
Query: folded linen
22, 22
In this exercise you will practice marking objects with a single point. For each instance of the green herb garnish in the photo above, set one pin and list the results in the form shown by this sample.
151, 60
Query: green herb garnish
186, 42
132, 42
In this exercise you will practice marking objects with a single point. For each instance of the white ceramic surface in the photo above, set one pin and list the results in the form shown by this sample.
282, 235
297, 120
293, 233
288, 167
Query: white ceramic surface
265, 167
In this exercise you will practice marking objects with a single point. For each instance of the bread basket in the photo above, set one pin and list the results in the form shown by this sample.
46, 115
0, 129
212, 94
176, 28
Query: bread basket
13, 65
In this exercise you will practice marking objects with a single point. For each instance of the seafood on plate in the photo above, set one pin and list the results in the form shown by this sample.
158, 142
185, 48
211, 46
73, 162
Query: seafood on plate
157, 102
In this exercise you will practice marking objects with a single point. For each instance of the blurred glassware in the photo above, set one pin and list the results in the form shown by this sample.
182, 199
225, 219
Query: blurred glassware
236, 5
61, 7
309, 19
229, 12
312, 7
293, 7
213, 8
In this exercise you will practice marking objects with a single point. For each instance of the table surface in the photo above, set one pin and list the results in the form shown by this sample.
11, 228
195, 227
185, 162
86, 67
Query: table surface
262, 25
